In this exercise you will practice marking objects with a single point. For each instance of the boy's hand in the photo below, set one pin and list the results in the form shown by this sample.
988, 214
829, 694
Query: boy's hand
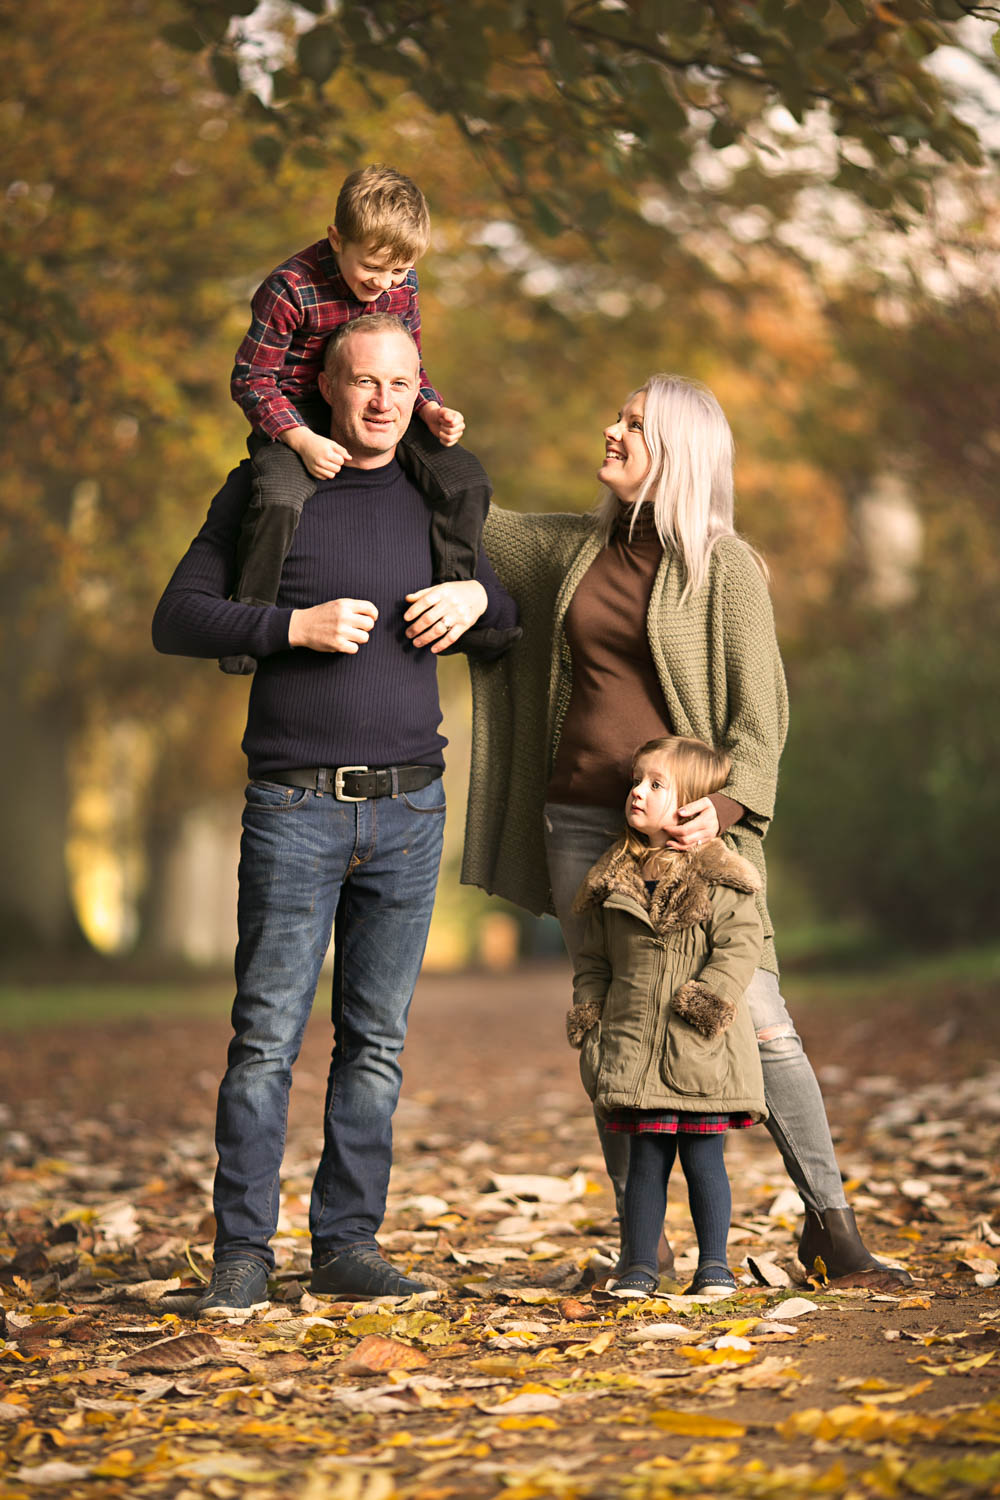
321, 455
446, 424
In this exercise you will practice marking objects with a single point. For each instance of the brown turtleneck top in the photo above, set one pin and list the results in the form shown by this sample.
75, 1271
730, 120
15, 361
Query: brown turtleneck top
616, 702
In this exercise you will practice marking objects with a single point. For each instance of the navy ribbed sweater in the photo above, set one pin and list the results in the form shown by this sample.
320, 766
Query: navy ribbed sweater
363, 535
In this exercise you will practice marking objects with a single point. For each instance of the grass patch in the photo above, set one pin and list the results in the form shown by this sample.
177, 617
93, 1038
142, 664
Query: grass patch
29, 1005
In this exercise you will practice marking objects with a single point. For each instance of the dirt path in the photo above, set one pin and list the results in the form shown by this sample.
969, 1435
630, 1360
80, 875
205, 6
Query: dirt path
108, 1159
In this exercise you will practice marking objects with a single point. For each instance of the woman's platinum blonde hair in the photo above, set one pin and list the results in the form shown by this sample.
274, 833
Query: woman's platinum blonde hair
690, 479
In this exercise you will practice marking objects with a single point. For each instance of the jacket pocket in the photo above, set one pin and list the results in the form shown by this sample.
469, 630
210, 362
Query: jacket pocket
590, 1059
693, 1064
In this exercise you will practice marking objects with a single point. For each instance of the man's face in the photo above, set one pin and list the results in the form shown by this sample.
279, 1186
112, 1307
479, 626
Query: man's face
371, 391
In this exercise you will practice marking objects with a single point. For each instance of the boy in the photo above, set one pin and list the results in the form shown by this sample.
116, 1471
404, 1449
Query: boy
364, 265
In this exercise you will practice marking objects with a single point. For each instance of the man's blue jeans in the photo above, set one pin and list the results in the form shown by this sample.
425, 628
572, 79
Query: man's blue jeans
311, 866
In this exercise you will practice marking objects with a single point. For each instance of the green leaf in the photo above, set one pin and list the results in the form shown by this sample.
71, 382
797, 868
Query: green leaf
723, 133
995, 39
854, 10
225, 71
913, 193
268, 150
183, 35
319, 53
284, 83
815, 8
545, 218
311, 156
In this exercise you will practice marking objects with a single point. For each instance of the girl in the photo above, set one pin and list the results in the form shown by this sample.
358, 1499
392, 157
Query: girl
668, 1051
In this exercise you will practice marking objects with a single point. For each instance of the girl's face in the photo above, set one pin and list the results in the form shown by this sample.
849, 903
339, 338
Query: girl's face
626, 457
652, 803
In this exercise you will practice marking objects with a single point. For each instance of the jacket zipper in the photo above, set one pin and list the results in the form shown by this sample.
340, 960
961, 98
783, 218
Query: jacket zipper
654, 992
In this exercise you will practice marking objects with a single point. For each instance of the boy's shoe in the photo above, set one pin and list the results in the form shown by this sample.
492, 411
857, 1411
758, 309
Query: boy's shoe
361, 1271
714, 1279
238, 1286
238, 666
636, 1282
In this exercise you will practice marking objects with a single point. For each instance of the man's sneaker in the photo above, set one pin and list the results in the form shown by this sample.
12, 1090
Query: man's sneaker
238, 1286
360, 1271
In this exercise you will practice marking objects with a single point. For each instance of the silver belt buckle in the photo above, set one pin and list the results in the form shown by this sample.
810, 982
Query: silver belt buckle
338, 783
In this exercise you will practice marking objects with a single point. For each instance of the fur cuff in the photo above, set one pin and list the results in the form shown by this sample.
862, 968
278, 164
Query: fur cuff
580, 1018
703, 1009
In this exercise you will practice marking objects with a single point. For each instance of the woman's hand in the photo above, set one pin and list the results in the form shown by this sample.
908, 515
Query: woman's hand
438, 616
696, 824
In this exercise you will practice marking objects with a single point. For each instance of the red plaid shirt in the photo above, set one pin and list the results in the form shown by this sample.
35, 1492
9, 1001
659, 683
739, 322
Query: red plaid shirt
294, 313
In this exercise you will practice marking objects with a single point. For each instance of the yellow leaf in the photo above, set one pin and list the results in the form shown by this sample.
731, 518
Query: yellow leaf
522, 1424
738, 1327
892, 1398
914, 1302
695, 1424
596, 1346
712, 1453
717, 1356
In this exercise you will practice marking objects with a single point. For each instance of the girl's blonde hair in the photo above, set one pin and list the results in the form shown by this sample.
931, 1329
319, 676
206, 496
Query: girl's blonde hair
690, 479
695, 770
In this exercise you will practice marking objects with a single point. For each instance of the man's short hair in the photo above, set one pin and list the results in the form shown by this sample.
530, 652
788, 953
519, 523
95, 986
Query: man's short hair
333, 354
381, 209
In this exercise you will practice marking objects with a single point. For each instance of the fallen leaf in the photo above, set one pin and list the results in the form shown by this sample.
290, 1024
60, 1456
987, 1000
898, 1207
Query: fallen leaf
767, 1272
544, 1189
657, 1331
693, 1424
376, 1353
794, 1307
180, 1353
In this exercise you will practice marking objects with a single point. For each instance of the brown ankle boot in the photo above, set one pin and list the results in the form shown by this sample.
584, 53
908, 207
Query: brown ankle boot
833, 1237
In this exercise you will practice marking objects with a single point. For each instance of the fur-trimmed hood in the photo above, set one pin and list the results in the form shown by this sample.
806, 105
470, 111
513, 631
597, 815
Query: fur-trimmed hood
683, 892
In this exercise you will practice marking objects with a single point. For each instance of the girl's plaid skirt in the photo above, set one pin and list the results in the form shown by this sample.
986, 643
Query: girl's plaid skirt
674, 1122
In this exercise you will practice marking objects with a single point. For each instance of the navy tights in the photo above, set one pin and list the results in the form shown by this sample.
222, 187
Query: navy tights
651, 1157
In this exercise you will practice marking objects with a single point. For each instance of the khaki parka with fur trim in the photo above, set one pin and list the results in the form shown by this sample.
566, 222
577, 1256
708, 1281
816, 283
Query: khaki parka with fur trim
658, 1008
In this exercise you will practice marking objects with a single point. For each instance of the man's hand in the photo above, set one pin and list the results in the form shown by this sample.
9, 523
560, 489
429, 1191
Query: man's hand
321, 455
338, 625
696, 824
442, 613
446, 424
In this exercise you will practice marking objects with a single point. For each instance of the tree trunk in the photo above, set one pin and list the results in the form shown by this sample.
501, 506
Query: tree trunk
36, 912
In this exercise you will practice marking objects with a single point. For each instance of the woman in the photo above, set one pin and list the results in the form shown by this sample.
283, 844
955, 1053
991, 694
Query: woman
648, 617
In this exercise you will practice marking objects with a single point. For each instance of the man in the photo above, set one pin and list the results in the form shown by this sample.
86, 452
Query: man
347, 681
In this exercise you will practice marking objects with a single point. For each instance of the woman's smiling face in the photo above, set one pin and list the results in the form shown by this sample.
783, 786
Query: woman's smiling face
626, 457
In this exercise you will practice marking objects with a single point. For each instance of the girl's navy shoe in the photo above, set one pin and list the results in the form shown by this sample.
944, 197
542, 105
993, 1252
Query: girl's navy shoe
635, 1283
714, 1278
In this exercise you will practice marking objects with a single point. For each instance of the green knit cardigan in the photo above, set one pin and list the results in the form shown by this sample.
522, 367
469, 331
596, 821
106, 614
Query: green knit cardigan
718, 665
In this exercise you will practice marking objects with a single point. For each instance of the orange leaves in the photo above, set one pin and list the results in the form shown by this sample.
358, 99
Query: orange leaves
376, 1353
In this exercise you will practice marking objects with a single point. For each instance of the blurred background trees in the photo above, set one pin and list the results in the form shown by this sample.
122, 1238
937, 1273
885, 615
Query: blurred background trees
783, 200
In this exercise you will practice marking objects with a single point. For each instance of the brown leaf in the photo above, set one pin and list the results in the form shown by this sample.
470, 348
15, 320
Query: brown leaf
873, 1281
180, 1353
77, 1330
376, 1353
575, 1311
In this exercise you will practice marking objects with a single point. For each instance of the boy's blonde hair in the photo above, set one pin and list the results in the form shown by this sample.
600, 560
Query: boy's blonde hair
695, 769
381, 209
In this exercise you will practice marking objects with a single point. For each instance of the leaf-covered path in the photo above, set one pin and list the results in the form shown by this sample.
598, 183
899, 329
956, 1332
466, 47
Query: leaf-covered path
511, 1378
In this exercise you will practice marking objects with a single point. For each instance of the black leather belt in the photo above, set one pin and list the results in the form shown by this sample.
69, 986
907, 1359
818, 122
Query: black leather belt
358, 783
